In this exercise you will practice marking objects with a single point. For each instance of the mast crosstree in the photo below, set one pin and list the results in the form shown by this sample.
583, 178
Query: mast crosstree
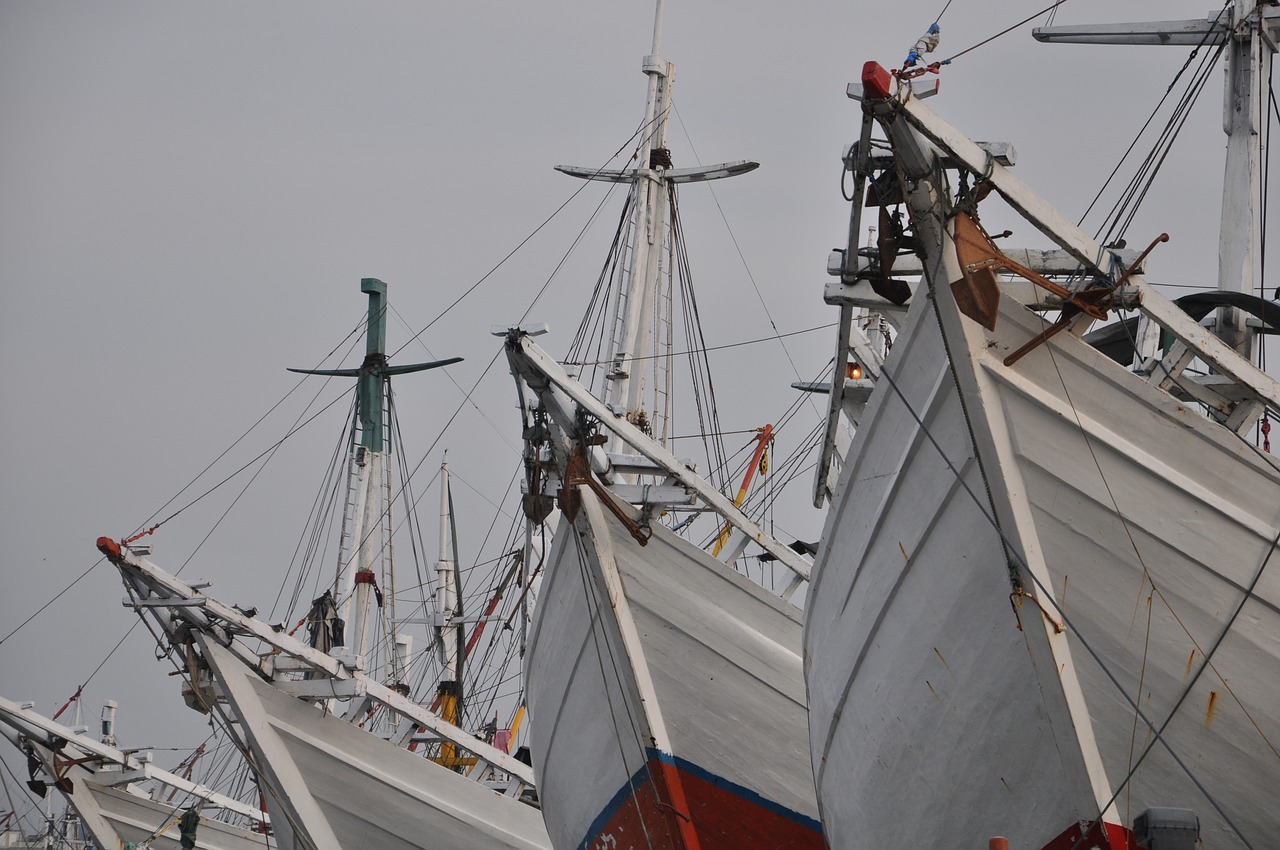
355, 585
642, 302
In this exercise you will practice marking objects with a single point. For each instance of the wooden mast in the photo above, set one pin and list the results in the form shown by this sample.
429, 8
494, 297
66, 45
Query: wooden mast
355, 586
642, 302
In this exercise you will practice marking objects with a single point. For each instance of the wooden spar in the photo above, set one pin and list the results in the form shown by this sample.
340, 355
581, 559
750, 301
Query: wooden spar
536, 366
763, 438
1083, 247
143, 573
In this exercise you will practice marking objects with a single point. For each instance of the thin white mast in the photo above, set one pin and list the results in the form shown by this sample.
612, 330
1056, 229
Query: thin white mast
641, 303
447, 601
449, 620
650, 230
360, 601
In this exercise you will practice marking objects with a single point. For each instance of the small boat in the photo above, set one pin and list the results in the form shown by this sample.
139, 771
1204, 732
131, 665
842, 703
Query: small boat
665, 687
328, 724
1045, 607
100, 781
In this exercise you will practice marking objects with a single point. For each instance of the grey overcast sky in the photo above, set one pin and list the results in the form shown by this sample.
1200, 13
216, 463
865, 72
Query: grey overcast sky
191, 192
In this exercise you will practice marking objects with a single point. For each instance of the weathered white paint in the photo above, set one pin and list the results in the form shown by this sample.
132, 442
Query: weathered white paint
658, 646
1140, 524
111, 812
351, 789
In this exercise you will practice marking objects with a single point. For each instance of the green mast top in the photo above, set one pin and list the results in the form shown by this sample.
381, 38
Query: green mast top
374, 372
377, 335
371, 383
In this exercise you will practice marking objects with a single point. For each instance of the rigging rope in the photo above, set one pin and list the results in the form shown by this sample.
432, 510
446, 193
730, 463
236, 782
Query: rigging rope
746, 267
13, 808
1050, 8
592, 327
595, 606
522, 243
1126, 208
1018, 557
1147, 123
352, 334
320, 518
267, 453
1124, 523
704, 398
417, 540
929, 41
55, 598
500, 432
1186, 692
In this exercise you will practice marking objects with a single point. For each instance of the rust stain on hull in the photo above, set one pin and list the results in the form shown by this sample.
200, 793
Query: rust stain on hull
1213, 707
938, 653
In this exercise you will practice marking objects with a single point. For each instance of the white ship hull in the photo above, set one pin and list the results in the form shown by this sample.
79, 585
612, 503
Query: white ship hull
915, 666
136, 818
1152, 527
113, 815
666, 697
1142, 528
96, 777
348, 788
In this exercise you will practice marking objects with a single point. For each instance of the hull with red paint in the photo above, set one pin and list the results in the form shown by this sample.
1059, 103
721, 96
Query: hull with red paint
666, 698
721, 815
